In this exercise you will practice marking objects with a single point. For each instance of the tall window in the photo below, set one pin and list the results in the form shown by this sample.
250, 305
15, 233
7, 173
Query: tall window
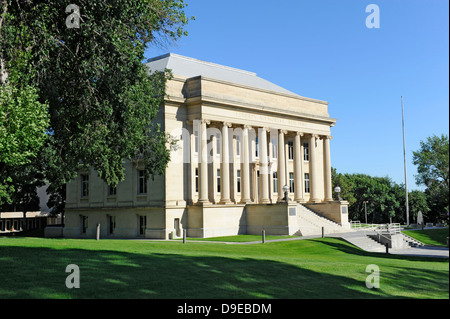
142, 225
291, 182
111, 224
84, 185
290, 150
112, 191
142, 182
306, 182
275, 182
195, 141
196, 179
218, 180
238, 180
274, 148
257, 147
218, 140
238, 145
84, 224
305, 151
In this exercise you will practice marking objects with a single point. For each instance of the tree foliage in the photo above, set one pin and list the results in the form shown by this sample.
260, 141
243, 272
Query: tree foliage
102, 101
23, 123
432, 160
385, 199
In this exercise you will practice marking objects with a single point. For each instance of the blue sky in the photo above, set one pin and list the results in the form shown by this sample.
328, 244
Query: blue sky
322, 49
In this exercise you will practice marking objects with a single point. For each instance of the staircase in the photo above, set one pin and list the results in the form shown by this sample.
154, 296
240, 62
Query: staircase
411, 242
311, 223
363, 241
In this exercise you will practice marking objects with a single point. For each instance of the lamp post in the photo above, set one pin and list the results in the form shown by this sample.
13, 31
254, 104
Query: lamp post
365, 209
286, 189
337, 190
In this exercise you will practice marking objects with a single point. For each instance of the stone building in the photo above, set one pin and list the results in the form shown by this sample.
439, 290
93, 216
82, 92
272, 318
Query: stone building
241, 140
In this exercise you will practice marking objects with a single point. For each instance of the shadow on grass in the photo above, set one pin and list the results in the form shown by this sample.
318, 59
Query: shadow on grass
39, 272
34, 272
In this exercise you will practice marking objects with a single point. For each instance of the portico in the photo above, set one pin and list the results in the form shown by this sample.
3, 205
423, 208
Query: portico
253, 162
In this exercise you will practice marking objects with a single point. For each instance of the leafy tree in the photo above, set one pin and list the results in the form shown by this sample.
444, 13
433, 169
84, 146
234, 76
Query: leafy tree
102, 101
23, 123
25, 180
418, 202
379, 193
432, 162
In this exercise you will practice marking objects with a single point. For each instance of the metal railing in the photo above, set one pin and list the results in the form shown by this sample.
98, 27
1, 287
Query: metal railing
382, 230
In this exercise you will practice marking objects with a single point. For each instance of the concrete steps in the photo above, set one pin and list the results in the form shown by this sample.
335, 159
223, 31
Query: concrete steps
311, 223
411, 242
364, 242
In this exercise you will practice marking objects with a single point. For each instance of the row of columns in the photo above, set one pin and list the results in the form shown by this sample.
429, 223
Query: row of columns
264, 169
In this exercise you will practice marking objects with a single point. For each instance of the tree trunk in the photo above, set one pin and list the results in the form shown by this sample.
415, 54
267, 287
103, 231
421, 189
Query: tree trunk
3, 71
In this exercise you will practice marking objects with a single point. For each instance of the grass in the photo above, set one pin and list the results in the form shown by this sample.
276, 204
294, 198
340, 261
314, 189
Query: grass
436, 237
239, 238
316, 268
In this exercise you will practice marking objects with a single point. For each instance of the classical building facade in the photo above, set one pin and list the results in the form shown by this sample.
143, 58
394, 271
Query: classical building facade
241, 142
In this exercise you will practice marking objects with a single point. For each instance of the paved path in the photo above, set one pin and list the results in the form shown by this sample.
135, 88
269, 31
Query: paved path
424, 251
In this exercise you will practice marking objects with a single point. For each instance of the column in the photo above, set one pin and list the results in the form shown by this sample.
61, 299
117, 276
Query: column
246, 167
298, 171
281, 164
203, 187
264, 169
327, 168
225, 166
313, 169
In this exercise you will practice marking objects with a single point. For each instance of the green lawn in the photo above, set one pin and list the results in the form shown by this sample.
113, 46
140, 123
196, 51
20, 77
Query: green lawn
437, 237
316, 268
240, 238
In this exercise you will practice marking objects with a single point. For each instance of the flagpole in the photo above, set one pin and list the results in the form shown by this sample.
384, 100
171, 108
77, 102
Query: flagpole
404, 162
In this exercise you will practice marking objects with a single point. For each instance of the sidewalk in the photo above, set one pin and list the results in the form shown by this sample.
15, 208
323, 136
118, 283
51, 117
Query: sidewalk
424, 251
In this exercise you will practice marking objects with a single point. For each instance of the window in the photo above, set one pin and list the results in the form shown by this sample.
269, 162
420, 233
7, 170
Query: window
142, 225
195, 141
291, 182
142, 182
305, 151
84, 224
218, 180
84, 185
238, 145
290, 150
238, 180
274, 148
218, 143
111, 224
257, 147
275, 182
112, 191
196, 180
306, 182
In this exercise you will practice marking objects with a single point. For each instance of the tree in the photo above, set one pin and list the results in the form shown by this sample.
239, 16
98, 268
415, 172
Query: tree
379, 193
23, 123
418, 202
25, 180
432, 162
102, 101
